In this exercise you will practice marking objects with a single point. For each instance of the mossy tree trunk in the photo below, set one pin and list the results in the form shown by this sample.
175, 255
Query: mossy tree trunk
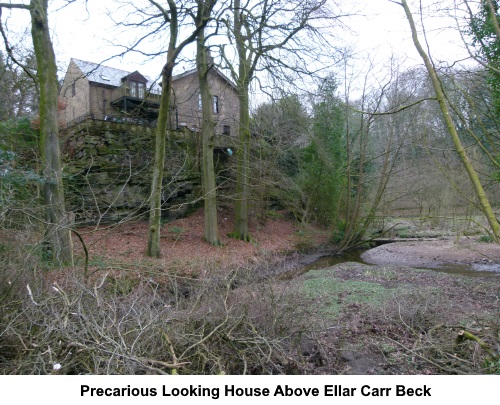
257, 32
161, 136
241, 230
171, 17
441, 97
494, 19
211, 232
57, 231
246, 66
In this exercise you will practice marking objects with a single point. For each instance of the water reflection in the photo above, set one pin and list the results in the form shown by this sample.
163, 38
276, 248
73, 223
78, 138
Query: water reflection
489, 269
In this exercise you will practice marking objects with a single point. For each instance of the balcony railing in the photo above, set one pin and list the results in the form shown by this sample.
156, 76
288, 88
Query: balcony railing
120, 119
137, 93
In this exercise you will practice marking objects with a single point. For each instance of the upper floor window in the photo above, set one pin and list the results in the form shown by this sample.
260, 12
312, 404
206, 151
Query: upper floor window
73, 89
136, 89
216, 105
226, 130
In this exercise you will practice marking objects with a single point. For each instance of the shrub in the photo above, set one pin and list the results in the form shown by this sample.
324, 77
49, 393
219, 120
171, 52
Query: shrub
185, 326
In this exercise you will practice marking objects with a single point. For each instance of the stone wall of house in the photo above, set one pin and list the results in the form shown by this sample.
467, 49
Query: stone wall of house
100, 100
79, 97
229, 105
187, 101
74, 95
108, 169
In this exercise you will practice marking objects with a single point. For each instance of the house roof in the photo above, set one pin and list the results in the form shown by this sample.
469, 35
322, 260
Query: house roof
107, 75
136, 76
214, 69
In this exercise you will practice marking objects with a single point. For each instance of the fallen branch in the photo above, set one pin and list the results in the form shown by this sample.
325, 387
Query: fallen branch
162, 363
464, 335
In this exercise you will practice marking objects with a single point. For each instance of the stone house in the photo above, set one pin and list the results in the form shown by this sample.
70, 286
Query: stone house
225, 101
98, 92
109, 117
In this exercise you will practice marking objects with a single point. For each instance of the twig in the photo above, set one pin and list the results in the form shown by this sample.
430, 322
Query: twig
174, 365
446, 369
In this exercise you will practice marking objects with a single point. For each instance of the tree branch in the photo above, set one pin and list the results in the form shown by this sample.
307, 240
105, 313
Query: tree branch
10, 50
402, 108
15, 5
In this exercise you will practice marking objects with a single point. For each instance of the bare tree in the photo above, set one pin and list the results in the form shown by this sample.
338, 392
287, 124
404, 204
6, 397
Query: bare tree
376, 149
57, 231
18, 93
204, 65
172, 19
258, 31
447, 116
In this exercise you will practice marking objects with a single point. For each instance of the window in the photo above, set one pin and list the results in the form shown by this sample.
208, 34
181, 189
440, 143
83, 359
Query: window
226, 130
136, 89
216, 105
133, 89
73, 89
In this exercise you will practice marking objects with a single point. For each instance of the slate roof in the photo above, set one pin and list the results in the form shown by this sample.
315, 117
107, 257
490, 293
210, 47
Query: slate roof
112, 77
214, 69
107, 75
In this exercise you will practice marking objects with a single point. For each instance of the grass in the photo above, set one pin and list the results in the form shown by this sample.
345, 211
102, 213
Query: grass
309, 238
486, 239
381, 273
176, 230
336, 296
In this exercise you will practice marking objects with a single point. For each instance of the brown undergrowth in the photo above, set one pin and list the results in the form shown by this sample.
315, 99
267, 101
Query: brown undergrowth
184, 250
197, 310
214, 310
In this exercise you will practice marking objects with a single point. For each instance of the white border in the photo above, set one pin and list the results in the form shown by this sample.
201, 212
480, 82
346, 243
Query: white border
68, 389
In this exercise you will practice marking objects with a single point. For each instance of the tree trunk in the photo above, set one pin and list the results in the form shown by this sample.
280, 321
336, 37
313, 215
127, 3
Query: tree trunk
243, 152
241, 230
57, 231
476, 182
208, 132
494, 18
162, 130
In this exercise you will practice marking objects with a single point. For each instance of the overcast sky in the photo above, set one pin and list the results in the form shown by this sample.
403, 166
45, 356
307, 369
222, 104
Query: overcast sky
384, 29
380, 31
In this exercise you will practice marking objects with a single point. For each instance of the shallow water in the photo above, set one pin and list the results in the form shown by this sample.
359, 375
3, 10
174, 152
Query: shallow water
469, 270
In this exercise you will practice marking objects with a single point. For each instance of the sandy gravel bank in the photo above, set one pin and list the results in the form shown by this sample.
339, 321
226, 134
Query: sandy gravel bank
431, 253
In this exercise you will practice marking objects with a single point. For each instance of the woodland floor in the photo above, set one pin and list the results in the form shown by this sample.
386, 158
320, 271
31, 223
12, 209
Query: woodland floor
376, 318
390, 317
401, 320
184, 249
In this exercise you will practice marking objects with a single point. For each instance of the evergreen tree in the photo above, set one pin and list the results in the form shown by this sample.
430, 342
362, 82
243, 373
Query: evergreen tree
324, 158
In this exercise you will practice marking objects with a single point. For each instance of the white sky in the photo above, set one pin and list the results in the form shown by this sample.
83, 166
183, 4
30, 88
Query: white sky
384, 30
381, 31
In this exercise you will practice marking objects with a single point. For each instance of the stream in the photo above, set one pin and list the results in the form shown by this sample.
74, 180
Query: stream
486, 269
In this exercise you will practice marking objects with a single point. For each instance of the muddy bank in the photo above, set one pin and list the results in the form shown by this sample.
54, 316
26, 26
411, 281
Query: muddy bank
394, 319
432, 253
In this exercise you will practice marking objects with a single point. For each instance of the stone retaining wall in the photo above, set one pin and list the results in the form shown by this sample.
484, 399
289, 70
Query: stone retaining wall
108, 169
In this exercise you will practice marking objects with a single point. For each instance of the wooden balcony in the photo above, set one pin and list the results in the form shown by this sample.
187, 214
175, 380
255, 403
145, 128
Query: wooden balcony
138, 94
137, 101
